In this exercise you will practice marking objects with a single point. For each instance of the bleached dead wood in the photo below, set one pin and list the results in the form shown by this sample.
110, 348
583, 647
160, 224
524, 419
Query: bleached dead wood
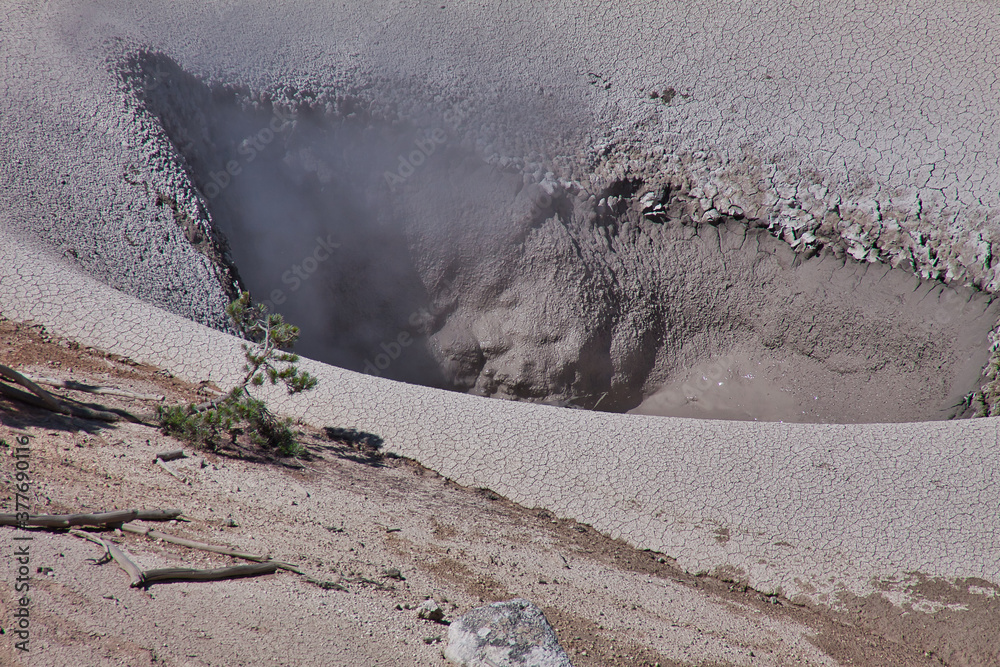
115, 553
186, 574
98, 519
93, 388
40, 398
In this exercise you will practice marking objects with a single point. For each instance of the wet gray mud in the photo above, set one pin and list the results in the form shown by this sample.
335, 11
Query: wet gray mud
402, 248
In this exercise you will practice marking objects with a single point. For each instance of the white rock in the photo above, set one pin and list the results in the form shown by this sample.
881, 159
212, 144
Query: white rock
505, 634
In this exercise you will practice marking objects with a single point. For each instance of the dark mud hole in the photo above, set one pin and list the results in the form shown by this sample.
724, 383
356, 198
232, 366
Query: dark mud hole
411, 249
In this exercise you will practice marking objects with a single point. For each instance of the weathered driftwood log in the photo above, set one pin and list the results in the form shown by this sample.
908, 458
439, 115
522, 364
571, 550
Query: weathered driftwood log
99, 519
60, 408
161, 575
93, 388
140, 578
202, 546
67, 406
186, 574
47, 399
191, 544
180, 478
116, 554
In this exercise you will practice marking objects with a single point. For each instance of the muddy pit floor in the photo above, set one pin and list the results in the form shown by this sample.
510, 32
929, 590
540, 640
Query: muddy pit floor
387, 531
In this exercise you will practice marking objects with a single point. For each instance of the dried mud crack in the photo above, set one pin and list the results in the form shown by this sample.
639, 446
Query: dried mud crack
406, 250
398, 531
692, 227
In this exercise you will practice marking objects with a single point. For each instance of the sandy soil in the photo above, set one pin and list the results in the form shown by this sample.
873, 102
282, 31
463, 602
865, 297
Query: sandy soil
384, 531
755, 126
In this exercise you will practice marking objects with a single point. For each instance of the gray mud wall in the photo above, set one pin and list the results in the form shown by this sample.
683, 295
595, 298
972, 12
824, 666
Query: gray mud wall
407, 251
586, 223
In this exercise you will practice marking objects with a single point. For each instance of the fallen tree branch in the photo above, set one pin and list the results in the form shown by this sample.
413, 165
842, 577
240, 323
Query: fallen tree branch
98, 519
225, 551
45, 397
206, 386
191, 544
92, 538
264, 564
161, 575
180, 478
210, 405
117, 554
186, 574
102, 412
171, 455
60, 408
97, 411
93, 388
67, 406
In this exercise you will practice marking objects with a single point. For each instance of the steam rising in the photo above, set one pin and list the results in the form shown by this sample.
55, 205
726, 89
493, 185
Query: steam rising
437, 248
312, 196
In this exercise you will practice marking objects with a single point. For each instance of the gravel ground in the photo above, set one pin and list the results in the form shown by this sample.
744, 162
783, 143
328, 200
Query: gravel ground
389, 532
861, 131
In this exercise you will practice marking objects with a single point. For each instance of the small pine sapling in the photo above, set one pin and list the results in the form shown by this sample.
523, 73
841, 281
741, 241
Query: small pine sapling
238, 412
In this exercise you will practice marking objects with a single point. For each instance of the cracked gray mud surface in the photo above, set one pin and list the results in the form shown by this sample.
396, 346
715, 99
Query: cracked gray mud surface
864, 130
820, 514
902, 148
349, 515
466, 274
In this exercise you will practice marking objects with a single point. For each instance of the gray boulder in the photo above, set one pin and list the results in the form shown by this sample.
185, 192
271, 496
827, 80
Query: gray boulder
430, 611
505, 634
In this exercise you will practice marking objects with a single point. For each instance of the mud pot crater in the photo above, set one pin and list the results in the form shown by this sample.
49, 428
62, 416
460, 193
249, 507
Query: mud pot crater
433, 248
